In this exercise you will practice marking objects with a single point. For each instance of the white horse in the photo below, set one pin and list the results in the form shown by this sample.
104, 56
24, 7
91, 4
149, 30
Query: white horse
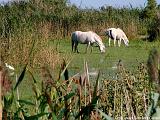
88, 38
117, 34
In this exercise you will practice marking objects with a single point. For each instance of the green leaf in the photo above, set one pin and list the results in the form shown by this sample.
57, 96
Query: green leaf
24, 70
21, 76
96, 86
8, 101
65, 67
54, 116
26, 102
34, 80
36, 117
61, 114
68, 96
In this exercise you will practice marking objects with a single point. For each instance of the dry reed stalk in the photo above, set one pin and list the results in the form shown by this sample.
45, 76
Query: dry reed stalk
80, 98
128, 102
87, 81
1, 77
17, 92
5, 87
115, 89
121, 107
153, 64
144, 100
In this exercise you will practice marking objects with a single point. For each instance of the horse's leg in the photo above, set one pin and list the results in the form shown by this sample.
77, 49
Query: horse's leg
109, 41
114, 41
87, 47
119, 42
73, 45
91, 47
76, 47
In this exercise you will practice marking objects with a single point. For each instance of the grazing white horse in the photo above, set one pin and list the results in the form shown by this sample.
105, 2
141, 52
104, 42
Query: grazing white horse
88, 38
117, 34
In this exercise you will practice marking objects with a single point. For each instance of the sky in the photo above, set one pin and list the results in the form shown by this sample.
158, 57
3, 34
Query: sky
114, 3
100, 3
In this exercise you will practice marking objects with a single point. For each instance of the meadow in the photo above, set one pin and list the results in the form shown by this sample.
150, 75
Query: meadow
134, 59
137, 52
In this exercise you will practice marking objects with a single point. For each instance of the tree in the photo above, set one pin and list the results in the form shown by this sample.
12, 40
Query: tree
150, 10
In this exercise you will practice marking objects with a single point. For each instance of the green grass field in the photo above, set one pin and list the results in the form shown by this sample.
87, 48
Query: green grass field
131, 57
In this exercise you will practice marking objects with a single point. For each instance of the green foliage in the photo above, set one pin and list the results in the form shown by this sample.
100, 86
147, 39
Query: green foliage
128, 95
154, 74
151, 9
154, 28
62, 17
151, 15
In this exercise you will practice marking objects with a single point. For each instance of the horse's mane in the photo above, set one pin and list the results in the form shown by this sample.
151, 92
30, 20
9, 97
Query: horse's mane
97, 36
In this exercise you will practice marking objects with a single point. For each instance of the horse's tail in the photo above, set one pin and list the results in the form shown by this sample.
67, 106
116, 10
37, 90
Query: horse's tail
73, 40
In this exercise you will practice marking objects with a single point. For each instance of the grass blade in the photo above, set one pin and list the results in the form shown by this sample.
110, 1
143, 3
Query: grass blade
26, 102
24, 70
105, 115
21, 77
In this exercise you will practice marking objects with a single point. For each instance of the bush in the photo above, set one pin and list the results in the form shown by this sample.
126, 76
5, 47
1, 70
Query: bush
154, 28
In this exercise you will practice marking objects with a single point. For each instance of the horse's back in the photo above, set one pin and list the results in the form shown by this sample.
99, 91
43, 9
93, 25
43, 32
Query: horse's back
74, 36
80, 37
122, 33
85, 37
111, 32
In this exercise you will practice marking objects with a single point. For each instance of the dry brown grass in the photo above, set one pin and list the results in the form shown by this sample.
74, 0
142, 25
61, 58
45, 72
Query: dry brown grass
46, 56
16, 49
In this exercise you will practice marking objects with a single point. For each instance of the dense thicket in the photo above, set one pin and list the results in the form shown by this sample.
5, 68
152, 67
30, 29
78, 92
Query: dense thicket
151, 13
62, 18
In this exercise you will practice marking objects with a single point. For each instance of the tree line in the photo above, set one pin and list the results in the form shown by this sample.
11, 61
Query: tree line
61, 18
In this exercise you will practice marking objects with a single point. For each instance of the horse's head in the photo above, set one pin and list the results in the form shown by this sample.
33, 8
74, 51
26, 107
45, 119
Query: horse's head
126, 42
102, 48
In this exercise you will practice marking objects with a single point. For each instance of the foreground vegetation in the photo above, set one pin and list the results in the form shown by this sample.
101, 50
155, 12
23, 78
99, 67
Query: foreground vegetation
110, 93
